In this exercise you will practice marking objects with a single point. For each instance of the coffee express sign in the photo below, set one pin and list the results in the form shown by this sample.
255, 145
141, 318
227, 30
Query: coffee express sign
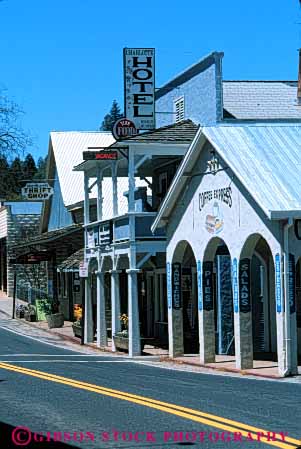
214, 221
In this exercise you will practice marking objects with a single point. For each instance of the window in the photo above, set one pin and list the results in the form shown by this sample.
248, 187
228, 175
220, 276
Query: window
179, 109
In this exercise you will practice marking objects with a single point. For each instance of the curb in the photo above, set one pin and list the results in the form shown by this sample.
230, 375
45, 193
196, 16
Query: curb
227, 370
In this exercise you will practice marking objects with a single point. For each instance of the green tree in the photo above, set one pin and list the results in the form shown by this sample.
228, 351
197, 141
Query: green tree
29, 168
41, 168
16, 175
110, 119
6, 182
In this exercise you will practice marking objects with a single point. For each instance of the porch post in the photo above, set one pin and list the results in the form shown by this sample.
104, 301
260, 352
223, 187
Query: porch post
101, 312
88, 324
133, 307
242, 314
206, 312
114, 188
115, 304
99, 194
133, 313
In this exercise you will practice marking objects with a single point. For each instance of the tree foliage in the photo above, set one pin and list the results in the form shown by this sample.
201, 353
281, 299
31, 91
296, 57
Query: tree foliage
110, 119
13, 139
15, 175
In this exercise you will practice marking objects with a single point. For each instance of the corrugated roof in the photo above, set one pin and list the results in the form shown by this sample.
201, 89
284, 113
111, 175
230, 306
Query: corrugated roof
266, 158
68, 150
251, 100
181, 132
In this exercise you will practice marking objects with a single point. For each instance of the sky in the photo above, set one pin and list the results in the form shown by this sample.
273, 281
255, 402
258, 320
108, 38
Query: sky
61, 60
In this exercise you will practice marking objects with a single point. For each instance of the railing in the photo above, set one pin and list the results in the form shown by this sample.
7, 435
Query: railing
29, 294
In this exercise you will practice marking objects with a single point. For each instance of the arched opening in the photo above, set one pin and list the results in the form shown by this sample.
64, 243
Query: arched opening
298, 307
217, 290
184, 264
257, 257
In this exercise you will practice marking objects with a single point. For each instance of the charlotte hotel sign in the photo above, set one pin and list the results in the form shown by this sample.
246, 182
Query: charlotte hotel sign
139, 86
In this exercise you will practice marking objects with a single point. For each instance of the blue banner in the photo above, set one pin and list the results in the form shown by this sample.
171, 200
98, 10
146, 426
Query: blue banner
168, 277
200, 288
235, 285
278, 283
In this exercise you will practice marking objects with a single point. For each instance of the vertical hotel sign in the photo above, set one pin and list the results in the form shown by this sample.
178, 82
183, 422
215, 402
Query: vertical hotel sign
139, 86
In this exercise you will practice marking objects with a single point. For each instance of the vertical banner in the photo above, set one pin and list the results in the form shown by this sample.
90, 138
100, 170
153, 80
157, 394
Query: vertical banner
169, 293
244, 286
139, 86
208, 285
200, 287
235, 285
176, 286
278, 283
292, 283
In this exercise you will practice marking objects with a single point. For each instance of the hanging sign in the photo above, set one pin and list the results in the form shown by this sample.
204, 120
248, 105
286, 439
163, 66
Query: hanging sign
139, 86
244, 286
278, 283
83, 269
291, 283
37, 191
100, 155
176, 286
124, 128
208, 285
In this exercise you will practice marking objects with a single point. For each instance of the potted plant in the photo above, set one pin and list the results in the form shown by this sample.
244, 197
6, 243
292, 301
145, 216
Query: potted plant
53, 316
20, 311
77, 328
30, 313
121, 338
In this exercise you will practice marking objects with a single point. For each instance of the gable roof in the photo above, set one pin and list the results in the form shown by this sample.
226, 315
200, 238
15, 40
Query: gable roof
68, 150
255, 100
264, 157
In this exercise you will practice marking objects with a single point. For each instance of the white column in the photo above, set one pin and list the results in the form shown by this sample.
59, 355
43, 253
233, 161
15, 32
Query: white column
101, 335
133, 313
133, 307
114, 188
88, 324
86, 202
115, 304
99, 194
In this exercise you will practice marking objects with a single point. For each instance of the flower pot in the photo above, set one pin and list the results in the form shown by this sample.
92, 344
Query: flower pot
29, 316
122, 342
55, 320
77, 330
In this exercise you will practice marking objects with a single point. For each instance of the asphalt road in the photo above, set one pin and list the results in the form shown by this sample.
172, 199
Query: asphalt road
73, 403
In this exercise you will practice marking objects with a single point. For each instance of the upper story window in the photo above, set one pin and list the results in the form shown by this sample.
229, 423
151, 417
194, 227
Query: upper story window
179, 109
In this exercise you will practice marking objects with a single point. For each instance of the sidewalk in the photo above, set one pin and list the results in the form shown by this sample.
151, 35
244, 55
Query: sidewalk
66, 332
223, 363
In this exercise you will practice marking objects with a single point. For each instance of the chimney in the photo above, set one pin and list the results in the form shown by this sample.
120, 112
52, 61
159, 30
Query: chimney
299, 80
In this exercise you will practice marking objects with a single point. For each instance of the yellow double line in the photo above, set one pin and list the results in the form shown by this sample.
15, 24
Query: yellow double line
208, 419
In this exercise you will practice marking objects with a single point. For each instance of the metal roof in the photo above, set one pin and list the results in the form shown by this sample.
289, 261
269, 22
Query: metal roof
24, 207
264, 157
255, 100
68, 150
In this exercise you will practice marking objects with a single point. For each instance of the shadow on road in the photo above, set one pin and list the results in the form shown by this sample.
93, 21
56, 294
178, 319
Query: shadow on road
12, 437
